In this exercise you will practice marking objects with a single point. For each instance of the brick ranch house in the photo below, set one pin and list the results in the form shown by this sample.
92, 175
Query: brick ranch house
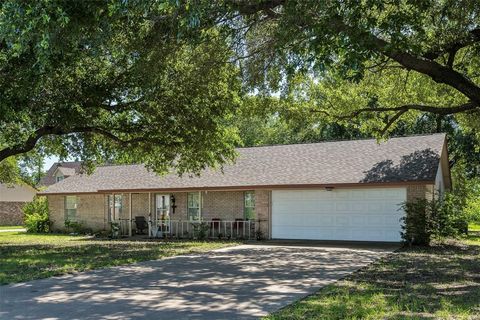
344, 190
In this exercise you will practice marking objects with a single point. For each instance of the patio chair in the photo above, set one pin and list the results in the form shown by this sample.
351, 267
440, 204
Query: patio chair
141, 224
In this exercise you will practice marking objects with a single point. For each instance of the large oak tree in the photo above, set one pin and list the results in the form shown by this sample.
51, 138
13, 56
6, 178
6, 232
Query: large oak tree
103, 80
355, 48
155, 81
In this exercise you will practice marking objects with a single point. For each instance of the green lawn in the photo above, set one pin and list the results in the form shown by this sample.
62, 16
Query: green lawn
439, 282
475, 227
11, 227
26, 256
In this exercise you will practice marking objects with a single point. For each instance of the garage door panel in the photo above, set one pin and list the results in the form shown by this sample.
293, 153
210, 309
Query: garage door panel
365, 215
359, 206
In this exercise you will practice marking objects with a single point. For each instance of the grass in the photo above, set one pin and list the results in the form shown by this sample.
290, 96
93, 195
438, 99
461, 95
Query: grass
33, 256
474, 227
437, 282
11, 227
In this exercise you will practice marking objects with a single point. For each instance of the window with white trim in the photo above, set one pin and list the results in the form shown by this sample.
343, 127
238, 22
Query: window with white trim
60, 178
70, 208
115, 201
193, 206
249, 208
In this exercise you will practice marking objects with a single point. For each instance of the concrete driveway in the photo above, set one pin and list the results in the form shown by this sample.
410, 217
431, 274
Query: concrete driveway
243, 282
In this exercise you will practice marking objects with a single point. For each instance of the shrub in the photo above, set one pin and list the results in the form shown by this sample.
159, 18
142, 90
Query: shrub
425, 220
259, 235
200, 230
472, 210
37, 215
75, 227
114, 230
451, 219
465, 194
416, 228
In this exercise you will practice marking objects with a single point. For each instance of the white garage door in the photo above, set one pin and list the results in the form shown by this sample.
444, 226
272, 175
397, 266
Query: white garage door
341, 214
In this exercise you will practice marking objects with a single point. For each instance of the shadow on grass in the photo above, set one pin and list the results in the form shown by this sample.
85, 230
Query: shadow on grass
23, 261
240, 283
442, 281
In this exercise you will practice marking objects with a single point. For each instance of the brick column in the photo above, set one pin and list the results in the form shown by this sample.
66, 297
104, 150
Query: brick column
262, 209
420, 191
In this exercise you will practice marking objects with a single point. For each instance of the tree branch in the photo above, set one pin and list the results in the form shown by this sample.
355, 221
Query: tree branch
30, 143
402, 110
121, 106
472, 37
451, 58
252, 7
392, 121
434, 70
470, 106
421, 64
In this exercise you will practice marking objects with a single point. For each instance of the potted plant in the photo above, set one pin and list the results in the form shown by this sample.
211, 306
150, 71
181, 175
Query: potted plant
115, 228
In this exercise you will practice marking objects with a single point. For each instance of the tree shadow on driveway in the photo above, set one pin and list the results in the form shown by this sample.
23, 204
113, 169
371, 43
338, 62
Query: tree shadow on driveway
244, 282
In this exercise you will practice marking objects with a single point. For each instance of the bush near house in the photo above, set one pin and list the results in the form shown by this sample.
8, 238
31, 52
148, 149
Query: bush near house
426, 220
37, 215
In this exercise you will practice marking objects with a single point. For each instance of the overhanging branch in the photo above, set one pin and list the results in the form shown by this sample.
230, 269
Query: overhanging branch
472, 37
424, 64
401, 110
30, 143
418, 107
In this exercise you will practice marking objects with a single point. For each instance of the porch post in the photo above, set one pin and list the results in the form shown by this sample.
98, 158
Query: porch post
200, 205
149, 214
130, 214
113, 217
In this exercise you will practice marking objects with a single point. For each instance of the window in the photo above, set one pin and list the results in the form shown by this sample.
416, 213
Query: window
193, 206
249, 205
114, 200
70, 208
59, 178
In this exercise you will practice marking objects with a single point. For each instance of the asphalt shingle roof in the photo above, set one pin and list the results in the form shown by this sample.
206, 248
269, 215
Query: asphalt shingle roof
403, 159
66, 171
49, 177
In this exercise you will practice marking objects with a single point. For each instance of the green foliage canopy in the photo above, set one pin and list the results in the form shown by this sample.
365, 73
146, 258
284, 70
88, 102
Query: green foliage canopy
371, 61
159, 81
112, 80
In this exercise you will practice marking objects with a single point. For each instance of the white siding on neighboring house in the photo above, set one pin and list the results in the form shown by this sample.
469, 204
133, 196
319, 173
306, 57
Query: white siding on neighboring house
439, 182
16, 193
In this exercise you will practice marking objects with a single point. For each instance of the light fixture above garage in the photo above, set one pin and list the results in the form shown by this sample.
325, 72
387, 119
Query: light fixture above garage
329, 188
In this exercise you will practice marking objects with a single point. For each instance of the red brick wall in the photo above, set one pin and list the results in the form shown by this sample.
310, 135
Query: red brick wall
419, 192
11, 213
225, 205
262, 209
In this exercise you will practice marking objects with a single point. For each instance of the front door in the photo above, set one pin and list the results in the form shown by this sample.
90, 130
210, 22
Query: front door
162, 212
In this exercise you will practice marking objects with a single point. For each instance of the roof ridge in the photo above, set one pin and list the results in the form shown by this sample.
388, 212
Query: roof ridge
342, 140
68, 162
293, 144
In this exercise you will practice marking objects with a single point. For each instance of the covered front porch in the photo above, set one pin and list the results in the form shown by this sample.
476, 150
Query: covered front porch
189, 215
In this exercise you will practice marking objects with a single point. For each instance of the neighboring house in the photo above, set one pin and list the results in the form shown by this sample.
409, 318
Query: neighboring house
12, 199
345, 190
60, 171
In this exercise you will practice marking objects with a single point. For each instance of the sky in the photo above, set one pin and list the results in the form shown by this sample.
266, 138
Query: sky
49, 162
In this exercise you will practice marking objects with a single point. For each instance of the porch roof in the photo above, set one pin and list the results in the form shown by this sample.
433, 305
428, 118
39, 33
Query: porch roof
399, 160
